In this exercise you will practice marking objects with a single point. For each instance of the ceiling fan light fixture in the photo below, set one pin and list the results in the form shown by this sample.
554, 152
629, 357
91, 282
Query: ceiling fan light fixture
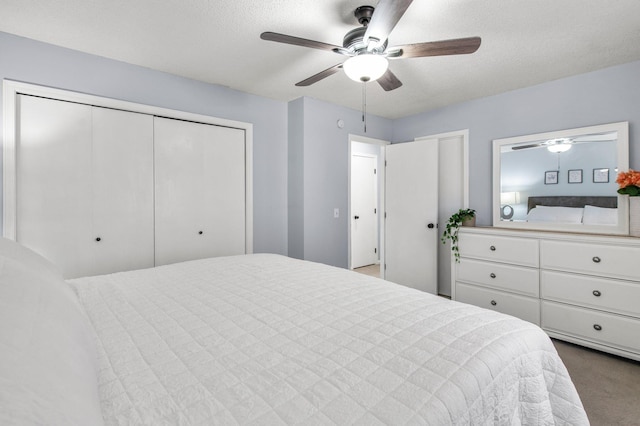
559, 145
365, 67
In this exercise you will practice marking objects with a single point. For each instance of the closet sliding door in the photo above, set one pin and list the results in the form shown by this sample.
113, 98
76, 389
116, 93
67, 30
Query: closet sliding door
122, 179
53, 206
199, 191
85, 186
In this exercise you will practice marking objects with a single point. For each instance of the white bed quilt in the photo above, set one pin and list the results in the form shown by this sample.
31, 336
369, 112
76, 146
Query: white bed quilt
264, 339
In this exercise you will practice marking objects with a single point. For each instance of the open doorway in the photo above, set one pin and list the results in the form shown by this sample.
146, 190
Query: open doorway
366, 198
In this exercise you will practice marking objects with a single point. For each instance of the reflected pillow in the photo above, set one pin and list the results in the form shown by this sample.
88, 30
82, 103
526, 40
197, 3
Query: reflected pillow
600, 216
555, 214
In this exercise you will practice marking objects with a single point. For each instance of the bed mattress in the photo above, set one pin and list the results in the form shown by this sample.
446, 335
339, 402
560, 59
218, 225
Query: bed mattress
265, 339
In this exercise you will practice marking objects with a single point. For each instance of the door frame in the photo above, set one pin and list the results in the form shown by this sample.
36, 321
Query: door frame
11, 89
465, 157
464, 134
381, 143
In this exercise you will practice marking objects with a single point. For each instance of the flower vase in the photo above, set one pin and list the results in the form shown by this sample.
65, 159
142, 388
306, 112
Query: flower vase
634, 216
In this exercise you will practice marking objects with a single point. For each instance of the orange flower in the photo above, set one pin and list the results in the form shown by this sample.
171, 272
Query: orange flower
629, 182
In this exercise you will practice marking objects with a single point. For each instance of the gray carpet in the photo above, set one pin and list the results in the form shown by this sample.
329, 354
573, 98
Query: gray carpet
609, 386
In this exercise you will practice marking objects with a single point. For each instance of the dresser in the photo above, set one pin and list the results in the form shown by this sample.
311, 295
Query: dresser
580, 288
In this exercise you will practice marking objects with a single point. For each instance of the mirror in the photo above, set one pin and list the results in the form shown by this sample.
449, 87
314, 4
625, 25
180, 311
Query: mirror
563, 180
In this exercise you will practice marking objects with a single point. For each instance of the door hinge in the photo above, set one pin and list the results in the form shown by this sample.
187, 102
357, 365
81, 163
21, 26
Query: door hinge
375, 211
385, 266
375, 250
385, 163
375, 171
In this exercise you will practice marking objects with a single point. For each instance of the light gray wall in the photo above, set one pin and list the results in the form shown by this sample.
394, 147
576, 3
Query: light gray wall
296, 179
39, 63
325, 167
604, 96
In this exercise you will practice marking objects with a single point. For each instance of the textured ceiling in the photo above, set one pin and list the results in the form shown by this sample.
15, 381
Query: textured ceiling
524, 42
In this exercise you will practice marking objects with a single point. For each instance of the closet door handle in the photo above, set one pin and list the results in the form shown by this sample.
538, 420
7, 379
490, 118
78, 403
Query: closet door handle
597, 327
494, 303
492, 275
98, 239
200, 232
492, 248
596, 259
356, 217
597, 293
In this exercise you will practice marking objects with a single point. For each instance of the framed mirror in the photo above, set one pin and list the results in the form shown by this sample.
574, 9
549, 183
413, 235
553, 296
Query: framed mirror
563, 180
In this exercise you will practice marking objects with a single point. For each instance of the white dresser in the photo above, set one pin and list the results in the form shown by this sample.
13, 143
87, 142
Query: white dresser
579, 288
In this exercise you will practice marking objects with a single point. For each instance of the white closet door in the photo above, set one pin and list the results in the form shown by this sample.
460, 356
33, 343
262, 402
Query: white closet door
199, 190
122, 176
54, 182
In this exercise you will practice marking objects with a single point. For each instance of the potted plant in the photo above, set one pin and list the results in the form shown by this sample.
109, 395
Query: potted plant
463, 217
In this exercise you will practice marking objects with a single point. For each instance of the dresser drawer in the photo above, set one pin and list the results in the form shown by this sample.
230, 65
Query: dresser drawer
589, 258
622, 297
522, 307
606, 329
517, 279
519, 251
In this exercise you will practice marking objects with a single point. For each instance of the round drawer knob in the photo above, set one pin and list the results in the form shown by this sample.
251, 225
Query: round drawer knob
596, 259
596, 293
597, 327
98, 239
492, 248
199, 232
492, 275
494, 303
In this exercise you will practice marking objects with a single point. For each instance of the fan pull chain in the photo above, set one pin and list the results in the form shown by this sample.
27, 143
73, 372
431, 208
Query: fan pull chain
364, 105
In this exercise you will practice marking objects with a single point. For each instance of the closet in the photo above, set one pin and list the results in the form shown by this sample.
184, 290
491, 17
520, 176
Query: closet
101, 190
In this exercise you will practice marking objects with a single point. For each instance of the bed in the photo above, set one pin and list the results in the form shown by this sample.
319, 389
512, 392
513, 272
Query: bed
585, 210
263, 339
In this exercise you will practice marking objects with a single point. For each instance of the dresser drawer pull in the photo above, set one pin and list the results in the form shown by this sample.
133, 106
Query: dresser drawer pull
492, 275
492, 248
596, 293
494, 303
596, 259
597, 327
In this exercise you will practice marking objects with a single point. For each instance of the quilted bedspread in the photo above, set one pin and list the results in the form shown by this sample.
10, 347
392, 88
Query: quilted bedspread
264, 339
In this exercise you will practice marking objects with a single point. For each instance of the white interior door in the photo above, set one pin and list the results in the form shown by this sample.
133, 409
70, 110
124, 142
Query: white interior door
411, 209
200, 190
364, 226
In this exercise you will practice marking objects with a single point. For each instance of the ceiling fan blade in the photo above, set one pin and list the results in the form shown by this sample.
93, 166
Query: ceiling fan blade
534, 145
322, 74
384, 19
389, 81
297, 41
458, 46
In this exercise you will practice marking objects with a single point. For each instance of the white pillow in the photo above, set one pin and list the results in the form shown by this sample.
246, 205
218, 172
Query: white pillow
555, 214
48, 360
29, 258
600, 216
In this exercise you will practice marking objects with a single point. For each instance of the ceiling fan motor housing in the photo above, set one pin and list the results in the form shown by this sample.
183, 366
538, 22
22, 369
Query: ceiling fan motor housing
353, 42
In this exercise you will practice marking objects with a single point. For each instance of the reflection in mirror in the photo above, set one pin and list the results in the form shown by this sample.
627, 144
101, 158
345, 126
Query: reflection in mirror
562, 180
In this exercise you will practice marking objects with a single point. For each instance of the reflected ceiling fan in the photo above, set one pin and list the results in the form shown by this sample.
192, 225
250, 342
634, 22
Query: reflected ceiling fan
367, 48
564, 144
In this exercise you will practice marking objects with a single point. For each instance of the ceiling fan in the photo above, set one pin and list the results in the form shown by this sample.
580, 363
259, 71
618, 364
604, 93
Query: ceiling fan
564, 144
367, 48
